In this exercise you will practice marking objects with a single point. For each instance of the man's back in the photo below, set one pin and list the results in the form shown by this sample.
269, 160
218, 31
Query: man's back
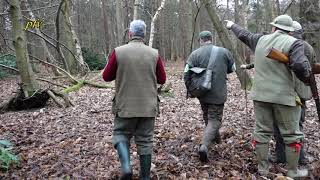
136, 81
273, 81
222, 66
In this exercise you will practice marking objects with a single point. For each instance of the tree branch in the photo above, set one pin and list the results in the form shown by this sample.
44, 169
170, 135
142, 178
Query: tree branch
4, 13
288, 7
55, 5
61, 69
194, 26
53, 45
50, 82
8, 67
143, 9
54, 98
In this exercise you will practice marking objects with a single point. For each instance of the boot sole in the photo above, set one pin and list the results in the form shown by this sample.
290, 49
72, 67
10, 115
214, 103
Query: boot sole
126, 176
203, 156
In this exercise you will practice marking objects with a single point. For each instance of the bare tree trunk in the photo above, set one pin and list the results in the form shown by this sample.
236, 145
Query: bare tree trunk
310, 13
278, 7
90, 25
269, 12
257, 17
138, 9
2, 28
187, 28
79, 21
105, 26
243, 76
154, 18
72, 41
241, 17
29, 83
119, 21
237, 20
48, 56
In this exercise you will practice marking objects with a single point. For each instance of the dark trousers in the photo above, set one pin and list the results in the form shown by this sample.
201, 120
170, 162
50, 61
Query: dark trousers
280, 145
212, 116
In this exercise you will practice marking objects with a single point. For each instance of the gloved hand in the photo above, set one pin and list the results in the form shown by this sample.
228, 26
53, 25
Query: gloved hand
229, 24
243, 66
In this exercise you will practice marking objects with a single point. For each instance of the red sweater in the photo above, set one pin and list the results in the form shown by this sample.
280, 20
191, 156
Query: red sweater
110, 71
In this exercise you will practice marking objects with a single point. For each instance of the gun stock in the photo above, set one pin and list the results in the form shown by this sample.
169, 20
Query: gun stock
275, 54
316, 68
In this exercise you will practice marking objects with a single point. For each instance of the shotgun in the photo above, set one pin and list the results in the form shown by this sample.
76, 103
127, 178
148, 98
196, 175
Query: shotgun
275, 54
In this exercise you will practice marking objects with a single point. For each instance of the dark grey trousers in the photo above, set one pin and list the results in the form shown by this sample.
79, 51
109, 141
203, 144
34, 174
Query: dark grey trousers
212, 116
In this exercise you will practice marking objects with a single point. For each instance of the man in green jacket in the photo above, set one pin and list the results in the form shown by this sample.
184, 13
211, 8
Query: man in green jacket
304, 93
273, 91
212, 103
136, 69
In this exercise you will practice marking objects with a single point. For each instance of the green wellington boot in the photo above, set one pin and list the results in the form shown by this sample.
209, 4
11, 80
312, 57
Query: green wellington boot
124, 157
262, 150
292, 157
145, 166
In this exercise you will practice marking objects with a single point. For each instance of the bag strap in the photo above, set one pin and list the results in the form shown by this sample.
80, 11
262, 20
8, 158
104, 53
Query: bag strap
213, 57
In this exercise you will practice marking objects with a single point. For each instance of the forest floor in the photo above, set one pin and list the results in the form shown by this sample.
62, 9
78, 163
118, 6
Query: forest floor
76, 143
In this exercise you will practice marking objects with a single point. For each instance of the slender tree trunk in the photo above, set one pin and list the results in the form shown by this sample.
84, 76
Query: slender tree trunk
243, 76
29, 83
90, 26
154, 18
105, 26
257, 17
138, 9
278, 7
186, 27
119, 21
2, 28
79, 21
310, 13
241, 17
48, 56
72, 41
269, 12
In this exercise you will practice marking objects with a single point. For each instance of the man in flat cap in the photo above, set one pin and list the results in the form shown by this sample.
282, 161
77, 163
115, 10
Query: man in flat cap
212, 102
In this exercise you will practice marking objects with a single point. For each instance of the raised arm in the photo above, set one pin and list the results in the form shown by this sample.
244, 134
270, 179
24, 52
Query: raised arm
247, 37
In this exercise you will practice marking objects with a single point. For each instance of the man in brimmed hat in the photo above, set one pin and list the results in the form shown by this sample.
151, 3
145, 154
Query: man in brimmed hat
273, 91
212, 103
304, 93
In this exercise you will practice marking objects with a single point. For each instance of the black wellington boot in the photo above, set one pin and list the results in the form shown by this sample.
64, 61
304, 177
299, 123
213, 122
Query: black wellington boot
124, 157
145, 166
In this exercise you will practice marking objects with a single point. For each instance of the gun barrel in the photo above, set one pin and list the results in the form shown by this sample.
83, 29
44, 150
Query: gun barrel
314, 90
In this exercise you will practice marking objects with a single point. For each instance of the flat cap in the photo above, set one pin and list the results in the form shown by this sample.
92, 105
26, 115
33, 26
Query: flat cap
205, 34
